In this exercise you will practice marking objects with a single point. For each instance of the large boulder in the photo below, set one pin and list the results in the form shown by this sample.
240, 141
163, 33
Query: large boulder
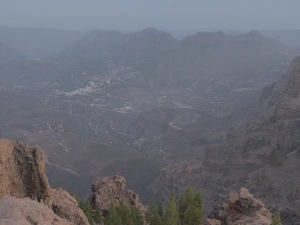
66, 206
27, 212
242, 208
112, 188
23, 172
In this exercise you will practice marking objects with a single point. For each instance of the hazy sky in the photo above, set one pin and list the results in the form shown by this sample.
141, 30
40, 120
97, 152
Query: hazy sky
132, 15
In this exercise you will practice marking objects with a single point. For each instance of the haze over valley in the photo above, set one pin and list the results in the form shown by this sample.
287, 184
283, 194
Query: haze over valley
217, 109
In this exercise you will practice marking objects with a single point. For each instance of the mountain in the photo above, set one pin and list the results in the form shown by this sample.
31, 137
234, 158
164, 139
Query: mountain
217, 59
166, 113
36, 43
99, 51
262, 155
287, 37
146, 44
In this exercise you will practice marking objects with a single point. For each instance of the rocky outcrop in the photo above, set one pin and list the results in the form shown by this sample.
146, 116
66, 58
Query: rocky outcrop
106, 189
242, 208
66, 206
281, 96
22, 172
27, 212
293, 86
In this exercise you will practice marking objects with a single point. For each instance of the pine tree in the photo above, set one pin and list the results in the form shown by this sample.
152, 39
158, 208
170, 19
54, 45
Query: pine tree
189, 195
88, 211
160, 210
152, 216
97, 216
276, 220
192, 216
198, 203
156, 219
136, 215
185, 202
171, 216
150, 212
113, 217
124, 214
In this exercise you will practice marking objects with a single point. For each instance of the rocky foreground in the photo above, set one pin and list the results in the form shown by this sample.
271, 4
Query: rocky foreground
27, 198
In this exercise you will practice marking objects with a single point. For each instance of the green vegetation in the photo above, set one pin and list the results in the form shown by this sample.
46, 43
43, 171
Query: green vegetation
91, 215
153, 217
276, 157
97, 216
160, 210
189, 211
171, 216
113, 218
137, 216
124, 215
276, 220
88, 211
272, 119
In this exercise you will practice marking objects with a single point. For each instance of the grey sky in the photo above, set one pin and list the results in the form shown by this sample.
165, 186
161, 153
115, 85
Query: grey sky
131, 15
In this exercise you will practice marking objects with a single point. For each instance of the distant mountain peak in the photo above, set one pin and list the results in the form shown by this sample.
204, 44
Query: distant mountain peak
150, 29
254, 34
153, 32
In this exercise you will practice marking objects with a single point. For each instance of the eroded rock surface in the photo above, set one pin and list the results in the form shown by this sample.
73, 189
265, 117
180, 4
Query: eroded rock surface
66, 206
106, 189
242, 208
27, 212
211, 222
22, 172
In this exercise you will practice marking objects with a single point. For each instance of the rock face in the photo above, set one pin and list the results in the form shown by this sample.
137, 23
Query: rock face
66, 206
106, 188
242, 208
22, 172
27, 212
211, 222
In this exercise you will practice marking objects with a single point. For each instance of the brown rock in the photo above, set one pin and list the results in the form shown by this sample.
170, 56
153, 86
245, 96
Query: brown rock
244, 202
106, 189
211, 222
242, 208
27, 212
66, 206
23, 172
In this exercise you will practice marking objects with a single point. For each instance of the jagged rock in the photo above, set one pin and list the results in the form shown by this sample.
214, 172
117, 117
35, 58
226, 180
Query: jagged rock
22, 172
242, 208
244, 202
106, 189
27, 212
66, 206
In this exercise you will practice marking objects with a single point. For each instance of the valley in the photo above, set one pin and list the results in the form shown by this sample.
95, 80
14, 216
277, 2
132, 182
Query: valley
162, 112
